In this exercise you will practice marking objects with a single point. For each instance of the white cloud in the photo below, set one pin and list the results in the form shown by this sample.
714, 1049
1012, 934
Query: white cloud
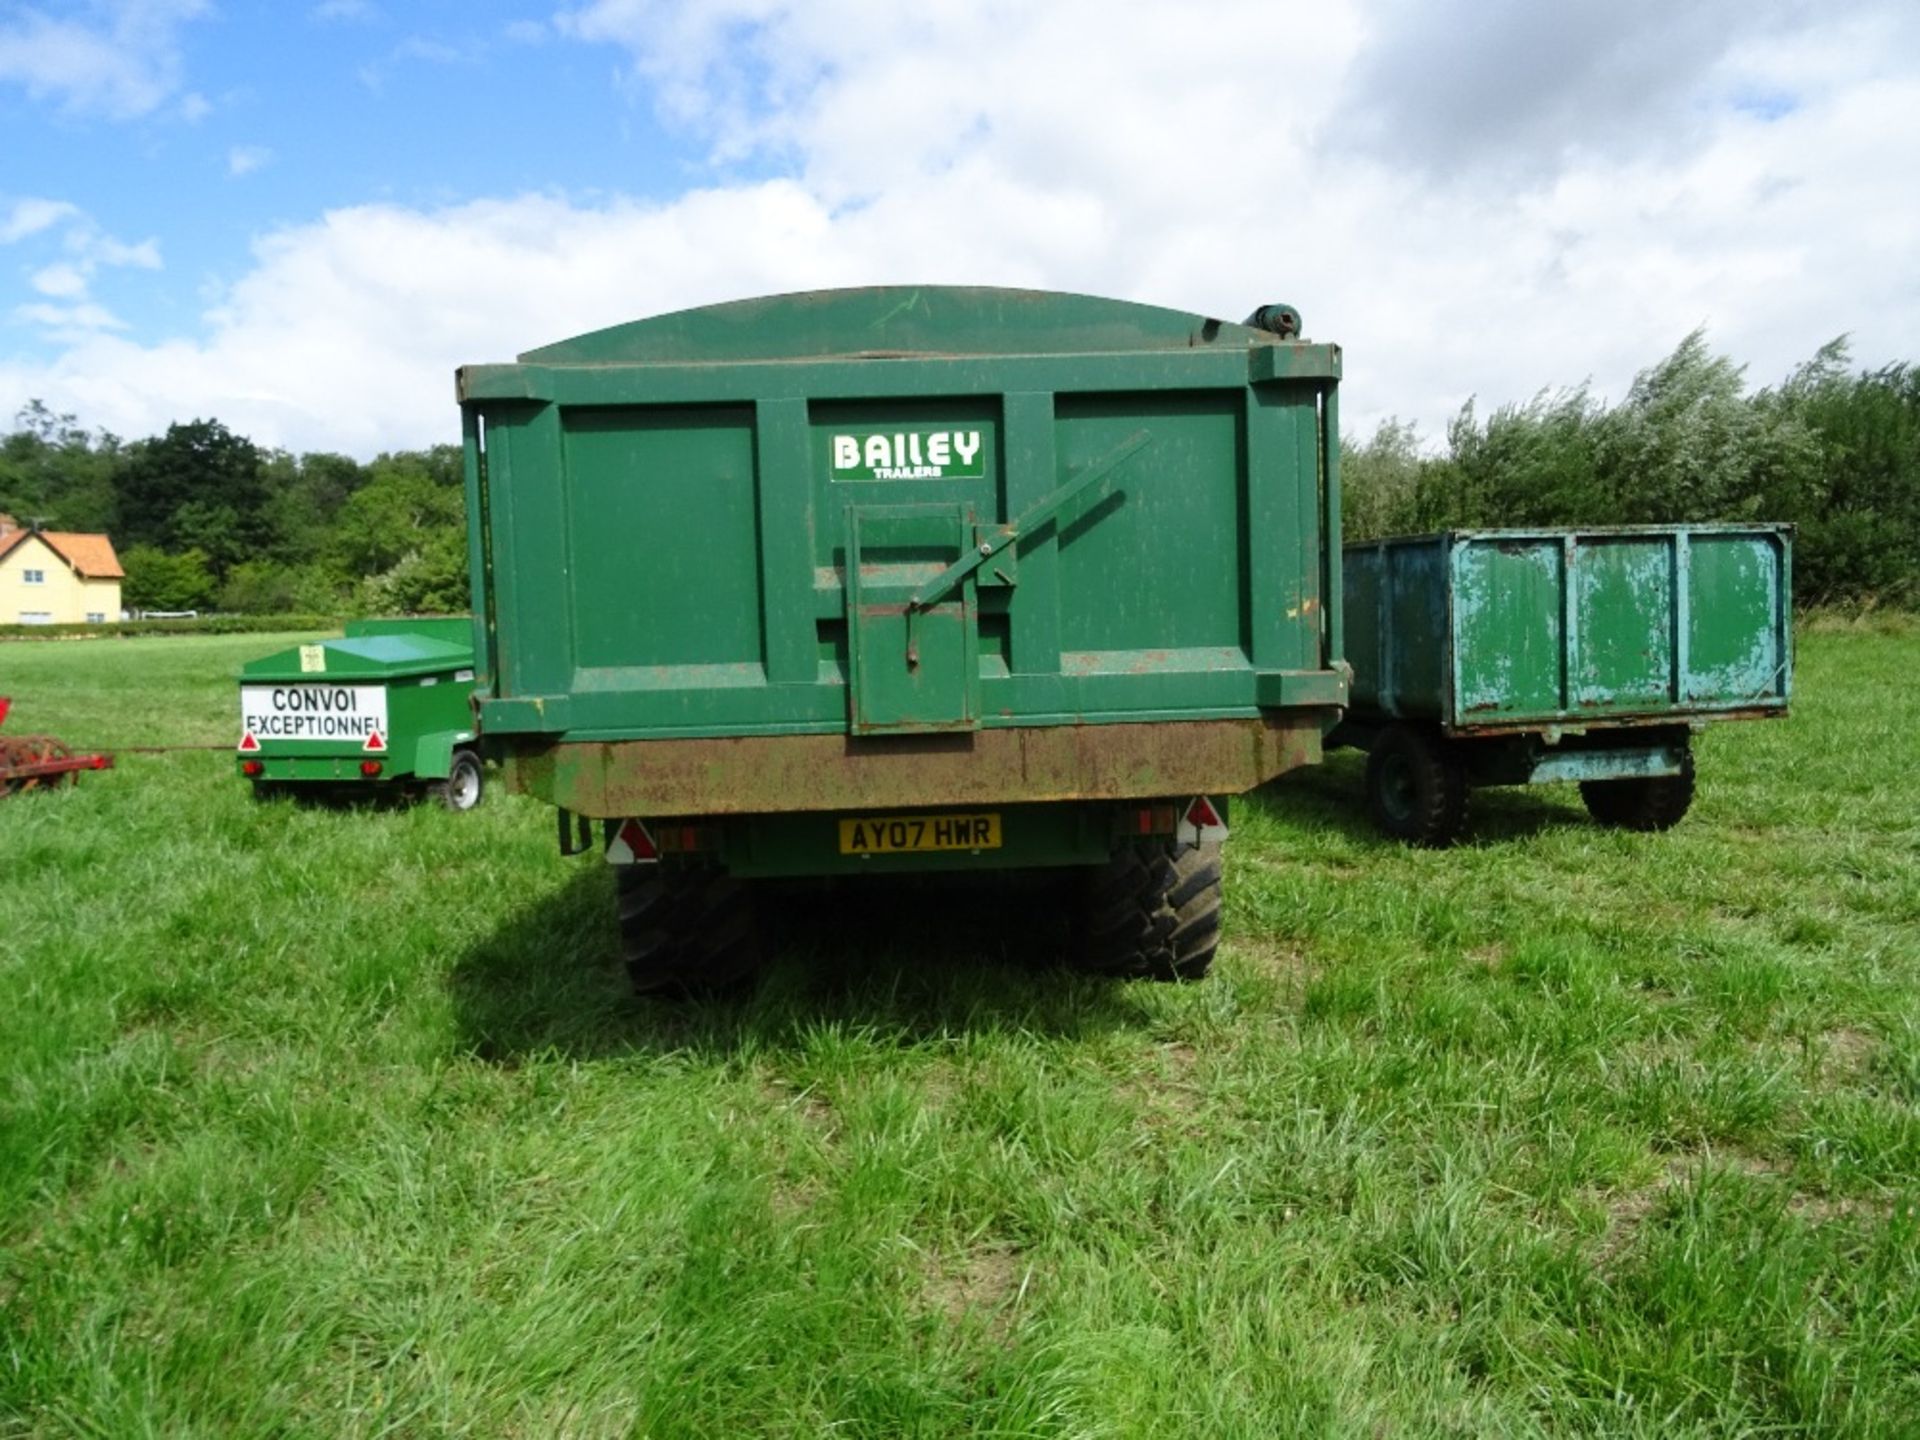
94, 249
118, 58
60, 282
75, 323
1209, 157
418, 49
69, 314
32, 215
332, 10
245, 159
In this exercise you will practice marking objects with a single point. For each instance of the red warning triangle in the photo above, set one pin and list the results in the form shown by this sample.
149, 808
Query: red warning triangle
1200, 823
248, 744
374, 742
632, 844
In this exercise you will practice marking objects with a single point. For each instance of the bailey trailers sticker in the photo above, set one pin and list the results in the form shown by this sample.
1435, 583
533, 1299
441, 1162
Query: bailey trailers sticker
356, 714
909, 455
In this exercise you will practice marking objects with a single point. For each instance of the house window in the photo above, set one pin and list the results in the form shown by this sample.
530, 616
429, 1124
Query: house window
36, 617
96, 617
35, 577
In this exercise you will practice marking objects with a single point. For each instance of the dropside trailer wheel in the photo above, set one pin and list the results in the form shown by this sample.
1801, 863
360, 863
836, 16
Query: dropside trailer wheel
1416, 787
1150, 914
686, 931
1656, 802
465, 783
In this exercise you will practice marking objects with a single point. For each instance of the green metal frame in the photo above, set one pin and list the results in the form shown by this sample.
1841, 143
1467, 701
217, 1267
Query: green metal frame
1625, 752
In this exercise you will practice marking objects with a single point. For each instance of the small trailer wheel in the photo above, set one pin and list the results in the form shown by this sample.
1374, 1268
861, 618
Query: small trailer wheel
465, 782
1657, 802
1416, 787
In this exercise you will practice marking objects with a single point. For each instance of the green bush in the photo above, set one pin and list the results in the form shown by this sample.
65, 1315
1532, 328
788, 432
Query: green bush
157, 580
1833, 453
265, 587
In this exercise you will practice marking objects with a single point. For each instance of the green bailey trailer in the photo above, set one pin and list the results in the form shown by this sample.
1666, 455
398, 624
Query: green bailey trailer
387, 707
898, 580
1515, 657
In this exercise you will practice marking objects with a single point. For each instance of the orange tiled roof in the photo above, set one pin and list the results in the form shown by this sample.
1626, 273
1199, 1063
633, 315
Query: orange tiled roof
91, 556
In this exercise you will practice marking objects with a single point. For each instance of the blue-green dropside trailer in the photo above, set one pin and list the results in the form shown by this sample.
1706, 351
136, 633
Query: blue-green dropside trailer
1513, 657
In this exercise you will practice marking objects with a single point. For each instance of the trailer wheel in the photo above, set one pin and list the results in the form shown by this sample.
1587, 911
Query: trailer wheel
464, 785
1416, 787
686, 931
1193, 904
1150, 914
1651, 803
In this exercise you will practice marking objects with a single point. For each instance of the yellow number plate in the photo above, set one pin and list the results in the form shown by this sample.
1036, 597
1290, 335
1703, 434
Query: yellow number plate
907, 834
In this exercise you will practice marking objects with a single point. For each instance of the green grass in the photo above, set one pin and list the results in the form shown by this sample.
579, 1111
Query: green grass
340, 1123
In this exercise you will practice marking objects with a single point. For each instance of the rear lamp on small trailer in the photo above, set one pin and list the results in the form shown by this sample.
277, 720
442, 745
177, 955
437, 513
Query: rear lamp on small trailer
370, 768
252, 769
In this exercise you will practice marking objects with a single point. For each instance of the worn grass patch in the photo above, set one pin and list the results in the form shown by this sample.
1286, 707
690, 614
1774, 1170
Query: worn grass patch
341, 1123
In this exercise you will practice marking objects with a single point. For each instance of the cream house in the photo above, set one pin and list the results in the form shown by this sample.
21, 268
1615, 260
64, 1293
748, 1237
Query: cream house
57, 577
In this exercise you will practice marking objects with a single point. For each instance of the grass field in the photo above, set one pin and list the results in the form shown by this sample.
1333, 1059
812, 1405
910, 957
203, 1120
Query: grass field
325, 1123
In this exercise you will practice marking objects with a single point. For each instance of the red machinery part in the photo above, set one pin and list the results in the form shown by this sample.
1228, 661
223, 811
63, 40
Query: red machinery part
30, 762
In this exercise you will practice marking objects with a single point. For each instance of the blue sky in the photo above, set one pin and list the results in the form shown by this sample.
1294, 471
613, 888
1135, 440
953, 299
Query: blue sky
282, 111
300, 217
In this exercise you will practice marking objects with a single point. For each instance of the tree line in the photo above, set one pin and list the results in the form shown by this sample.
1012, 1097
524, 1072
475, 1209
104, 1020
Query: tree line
204, 518
1832, 450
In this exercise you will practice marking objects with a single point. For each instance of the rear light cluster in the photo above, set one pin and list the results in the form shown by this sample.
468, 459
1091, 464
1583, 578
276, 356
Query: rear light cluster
1150, 820
252, 769
370, 768
673, 839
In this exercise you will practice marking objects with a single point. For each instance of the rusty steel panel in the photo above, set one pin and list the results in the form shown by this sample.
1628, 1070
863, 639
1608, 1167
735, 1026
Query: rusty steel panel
766, 774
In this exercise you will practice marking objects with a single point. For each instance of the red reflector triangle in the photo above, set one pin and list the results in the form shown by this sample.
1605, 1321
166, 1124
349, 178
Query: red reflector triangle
1202, 814
374, 742
248, 744
639, 841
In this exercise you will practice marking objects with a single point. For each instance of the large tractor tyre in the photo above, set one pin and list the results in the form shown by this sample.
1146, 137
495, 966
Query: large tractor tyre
464, 785
686, 932
1416, 787
1150, 914
1652, 803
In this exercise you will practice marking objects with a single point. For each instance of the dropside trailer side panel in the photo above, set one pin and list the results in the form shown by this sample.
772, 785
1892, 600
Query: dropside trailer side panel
1506, 630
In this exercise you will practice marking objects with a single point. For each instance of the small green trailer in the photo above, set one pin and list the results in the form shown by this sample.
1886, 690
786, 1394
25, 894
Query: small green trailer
1518, 657
877, 582
385, 708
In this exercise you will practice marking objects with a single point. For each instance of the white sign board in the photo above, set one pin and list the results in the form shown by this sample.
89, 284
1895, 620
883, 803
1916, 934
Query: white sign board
356, 714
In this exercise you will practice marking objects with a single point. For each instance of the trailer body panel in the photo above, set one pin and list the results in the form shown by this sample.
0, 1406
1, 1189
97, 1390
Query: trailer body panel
1506, 631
